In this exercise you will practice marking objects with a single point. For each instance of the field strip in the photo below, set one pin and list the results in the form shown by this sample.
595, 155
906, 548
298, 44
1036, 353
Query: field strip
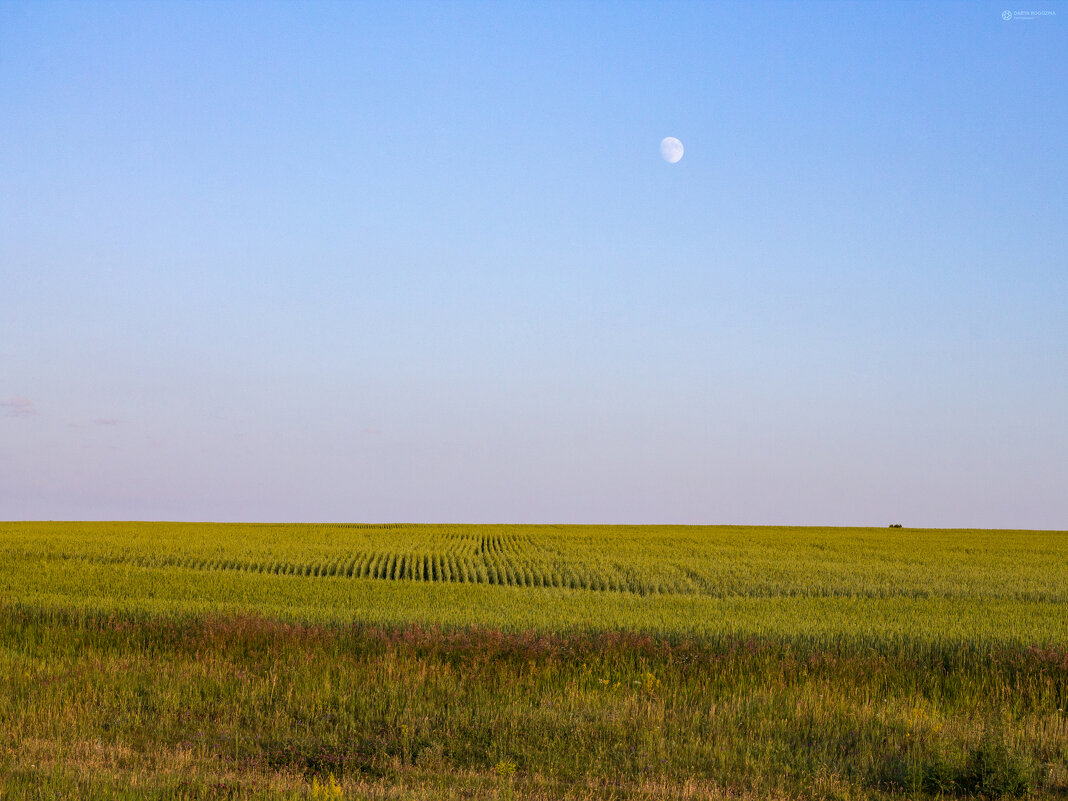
159, 591
976, 586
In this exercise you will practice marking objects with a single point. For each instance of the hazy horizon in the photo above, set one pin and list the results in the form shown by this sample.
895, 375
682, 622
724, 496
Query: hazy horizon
424, 263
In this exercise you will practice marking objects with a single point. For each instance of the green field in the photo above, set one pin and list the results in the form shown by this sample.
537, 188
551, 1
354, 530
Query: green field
148, 660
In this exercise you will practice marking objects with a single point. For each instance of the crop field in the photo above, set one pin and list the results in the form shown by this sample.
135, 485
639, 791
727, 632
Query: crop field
152, 660
642, 560
972, 585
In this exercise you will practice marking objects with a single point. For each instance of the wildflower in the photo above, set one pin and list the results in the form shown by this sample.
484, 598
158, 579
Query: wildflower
326, 790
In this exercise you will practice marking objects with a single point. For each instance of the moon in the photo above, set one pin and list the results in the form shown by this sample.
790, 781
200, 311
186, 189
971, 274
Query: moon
670, 149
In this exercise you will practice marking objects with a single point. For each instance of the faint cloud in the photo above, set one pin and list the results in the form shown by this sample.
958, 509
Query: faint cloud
96, 421
18, 406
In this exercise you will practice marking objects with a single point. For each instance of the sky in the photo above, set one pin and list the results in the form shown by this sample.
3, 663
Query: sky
424, 262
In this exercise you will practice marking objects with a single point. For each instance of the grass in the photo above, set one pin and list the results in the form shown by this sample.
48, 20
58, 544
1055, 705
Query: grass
159, 661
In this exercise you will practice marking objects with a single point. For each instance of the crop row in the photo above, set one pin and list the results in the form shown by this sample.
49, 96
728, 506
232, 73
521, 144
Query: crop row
491, 567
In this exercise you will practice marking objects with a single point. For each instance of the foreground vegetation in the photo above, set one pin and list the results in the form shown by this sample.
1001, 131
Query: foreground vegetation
161, 661
106, 705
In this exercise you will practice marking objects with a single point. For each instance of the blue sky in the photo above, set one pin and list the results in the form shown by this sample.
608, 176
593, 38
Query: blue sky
403, 261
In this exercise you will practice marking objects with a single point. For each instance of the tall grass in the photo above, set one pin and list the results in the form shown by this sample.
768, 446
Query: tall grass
164, 703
